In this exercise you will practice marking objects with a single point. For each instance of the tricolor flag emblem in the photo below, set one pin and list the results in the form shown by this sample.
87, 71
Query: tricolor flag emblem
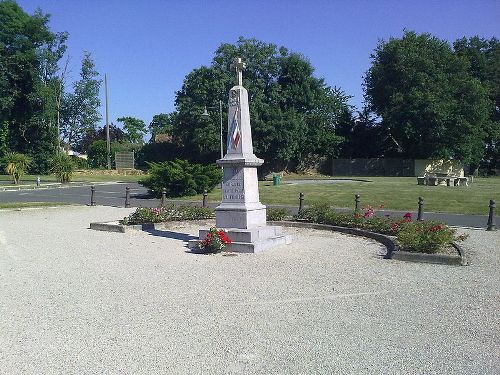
234, 133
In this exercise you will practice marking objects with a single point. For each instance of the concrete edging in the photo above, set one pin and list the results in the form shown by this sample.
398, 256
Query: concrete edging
113, 226
393, 251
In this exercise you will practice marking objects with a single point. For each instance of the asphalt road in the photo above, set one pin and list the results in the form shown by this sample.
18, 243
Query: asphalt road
113, 194
109, 194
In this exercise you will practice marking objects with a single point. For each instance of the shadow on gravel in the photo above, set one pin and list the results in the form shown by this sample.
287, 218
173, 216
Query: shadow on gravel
168, 234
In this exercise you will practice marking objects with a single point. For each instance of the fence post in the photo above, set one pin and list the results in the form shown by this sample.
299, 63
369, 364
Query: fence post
127, 197
163, 197
92, 192
301, 201
491, 216
356, 202
205, 194
420, 215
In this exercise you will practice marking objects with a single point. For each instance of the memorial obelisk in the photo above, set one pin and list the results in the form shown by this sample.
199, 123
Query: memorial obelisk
240, 213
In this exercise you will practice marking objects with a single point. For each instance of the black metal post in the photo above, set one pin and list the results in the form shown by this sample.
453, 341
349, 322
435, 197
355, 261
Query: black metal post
356, 202
420, 215
127, 197
491, 216
92, 192
163, 197
205, 194
301, 201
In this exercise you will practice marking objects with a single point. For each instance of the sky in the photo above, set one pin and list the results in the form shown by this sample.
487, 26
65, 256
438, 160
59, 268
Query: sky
146, 48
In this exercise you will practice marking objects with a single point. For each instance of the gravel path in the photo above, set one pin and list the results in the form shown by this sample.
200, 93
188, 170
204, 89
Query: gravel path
77, 301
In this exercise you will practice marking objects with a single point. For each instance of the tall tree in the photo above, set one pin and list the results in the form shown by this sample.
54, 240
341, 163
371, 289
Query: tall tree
482, 57
134, 129
29, 83
294, 114
428, 101
80, 109
162, 123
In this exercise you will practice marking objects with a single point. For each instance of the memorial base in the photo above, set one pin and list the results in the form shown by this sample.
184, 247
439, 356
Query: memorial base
252, 240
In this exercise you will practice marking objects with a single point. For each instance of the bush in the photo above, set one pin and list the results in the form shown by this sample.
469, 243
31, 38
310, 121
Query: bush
424, 236
419, 236
16, 165
80, 163
63, 167
276, 214
144, 215
180, 178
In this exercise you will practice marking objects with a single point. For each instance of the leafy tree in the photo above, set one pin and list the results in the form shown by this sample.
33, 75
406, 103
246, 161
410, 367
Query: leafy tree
294, 115
134, 129
80, 109
115, 135
427, 100
482, 57
363, 137
97, 152
16, 165
30, 83
162, 124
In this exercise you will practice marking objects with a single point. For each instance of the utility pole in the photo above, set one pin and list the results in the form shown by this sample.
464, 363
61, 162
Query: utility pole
108, 143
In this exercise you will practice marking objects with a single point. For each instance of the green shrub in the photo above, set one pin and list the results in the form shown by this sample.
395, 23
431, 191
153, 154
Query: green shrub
180, 178
424, 236
80, 163
63, 167
170, 213
276, 214
16, 165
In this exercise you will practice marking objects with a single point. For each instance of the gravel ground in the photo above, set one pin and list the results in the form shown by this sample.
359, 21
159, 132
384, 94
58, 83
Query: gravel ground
77, 301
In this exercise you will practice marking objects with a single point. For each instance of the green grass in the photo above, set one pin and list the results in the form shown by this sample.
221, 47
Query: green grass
395, 193
32, 204
31, 179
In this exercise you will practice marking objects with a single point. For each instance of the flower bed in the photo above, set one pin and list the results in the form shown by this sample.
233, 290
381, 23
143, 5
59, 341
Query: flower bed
413, 236
145, 215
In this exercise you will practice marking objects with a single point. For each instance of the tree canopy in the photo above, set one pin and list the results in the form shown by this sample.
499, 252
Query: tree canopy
30, 84
428, 101
293, 114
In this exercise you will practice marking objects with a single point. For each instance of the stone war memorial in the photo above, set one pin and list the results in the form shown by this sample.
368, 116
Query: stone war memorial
240, 213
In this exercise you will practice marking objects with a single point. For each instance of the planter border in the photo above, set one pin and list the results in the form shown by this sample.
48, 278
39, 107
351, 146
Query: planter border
113, 226
393, 251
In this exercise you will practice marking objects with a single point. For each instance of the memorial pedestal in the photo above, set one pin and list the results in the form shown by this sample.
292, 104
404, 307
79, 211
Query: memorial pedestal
241, 214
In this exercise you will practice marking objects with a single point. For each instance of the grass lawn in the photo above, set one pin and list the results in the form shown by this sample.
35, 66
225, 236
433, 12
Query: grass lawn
77, 177
32, 204
395, 193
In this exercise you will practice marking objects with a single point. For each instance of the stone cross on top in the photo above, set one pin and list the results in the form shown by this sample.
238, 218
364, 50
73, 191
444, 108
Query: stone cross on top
238, 65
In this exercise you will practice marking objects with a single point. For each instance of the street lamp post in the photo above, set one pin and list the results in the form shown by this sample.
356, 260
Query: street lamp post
206, 114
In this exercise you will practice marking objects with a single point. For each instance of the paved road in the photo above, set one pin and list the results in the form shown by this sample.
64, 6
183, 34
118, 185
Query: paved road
109, 194
113, 194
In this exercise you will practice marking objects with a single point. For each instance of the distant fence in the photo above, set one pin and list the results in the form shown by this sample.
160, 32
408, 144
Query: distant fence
395, 167
124, 160
373, 167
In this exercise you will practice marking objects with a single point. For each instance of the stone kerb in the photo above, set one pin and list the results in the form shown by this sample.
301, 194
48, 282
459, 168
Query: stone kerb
393, 250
